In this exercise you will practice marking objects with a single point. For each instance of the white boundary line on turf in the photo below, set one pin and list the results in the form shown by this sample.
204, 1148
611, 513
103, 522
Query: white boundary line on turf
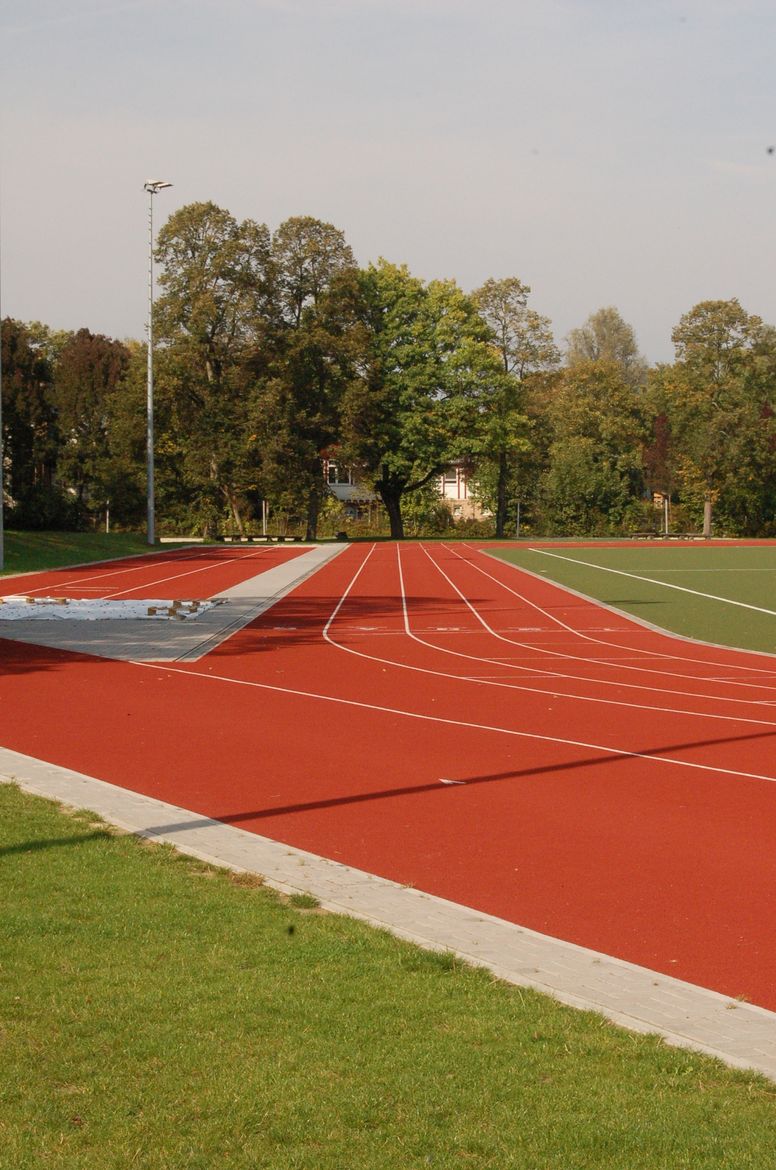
664, 584
632, 618
742, 1035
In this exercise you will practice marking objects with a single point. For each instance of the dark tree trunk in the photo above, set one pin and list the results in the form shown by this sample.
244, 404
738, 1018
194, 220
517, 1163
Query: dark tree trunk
235, 510
392, 501
501, 495
313, 509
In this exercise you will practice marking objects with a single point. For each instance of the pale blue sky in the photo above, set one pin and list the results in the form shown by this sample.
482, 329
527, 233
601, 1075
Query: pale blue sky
604, 151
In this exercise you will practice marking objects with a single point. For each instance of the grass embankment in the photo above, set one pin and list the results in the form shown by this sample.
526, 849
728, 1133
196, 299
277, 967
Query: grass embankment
158, 1013
27, 552
666, 586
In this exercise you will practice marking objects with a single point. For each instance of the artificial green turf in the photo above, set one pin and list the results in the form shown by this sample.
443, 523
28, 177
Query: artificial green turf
735, 574
26, 552
159, 1014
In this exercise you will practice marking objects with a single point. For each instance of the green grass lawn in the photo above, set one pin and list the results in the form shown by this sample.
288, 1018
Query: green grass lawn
665, 586
26, 552
158, 1013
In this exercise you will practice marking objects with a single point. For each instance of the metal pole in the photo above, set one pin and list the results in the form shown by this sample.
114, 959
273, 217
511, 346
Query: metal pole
153, 186
2, 451
150, 389
517, 526
2, 455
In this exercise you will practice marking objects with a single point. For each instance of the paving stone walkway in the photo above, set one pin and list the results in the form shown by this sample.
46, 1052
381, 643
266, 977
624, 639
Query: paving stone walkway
740, 1034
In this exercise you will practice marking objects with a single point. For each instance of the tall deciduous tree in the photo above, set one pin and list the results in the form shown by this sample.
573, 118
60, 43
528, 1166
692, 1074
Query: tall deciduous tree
296, 411
605, 336
718, 402
123, 473
89, 370
307, 254
216, 305
595, 474
30, 440
524, 343
422, 363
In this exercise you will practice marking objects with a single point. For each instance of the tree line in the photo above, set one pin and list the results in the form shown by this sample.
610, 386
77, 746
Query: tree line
275, 350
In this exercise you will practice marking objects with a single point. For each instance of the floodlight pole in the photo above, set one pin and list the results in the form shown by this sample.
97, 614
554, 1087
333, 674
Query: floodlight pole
2, 449
2, 455
153, 186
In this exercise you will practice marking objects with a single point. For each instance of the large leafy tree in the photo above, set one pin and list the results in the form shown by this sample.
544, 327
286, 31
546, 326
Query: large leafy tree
90, 370
308, 254
523, 343
717, 403
297, 400
122, 475
30, 439
420, 363
594, 480
605, 336
215, 309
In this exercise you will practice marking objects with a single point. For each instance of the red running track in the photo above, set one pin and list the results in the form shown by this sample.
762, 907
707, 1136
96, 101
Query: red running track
193, 574
615, 786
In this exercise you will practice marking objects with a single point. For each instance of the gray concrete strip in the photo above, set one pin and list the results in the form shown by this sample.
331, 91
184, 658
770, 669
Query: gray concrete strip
274, 583
740, 1034
175, 641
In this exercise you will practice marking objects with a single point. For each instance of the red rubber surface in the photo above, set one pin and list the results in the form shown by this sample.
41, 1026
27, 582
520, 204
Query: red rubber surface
618, 784
193, 574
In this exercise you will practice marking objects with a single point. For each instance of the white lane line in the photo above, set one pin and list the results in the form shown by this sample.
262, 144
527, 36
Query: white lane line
619, 684
664, 584
618, 753
511, 686
188, 573
580, 634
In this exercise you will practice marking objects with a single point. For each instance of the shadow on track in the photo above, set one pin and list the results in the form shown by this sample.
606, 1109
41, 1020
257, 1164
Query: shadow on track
463, 781
300, 621
290, 622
